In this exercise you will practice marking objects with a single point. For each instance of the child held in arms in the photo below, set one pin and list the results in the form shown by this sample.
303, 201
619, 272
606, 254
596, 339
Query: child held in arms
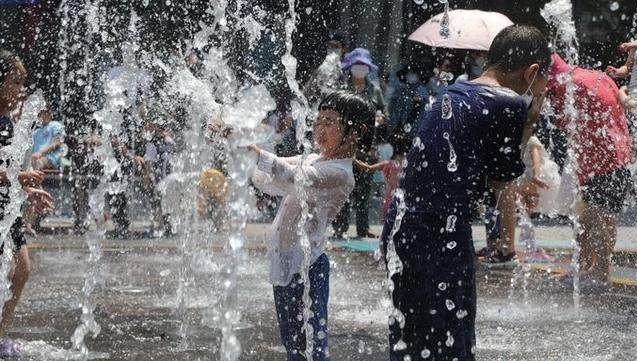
603, 147
473, 136
12, 78
343, 119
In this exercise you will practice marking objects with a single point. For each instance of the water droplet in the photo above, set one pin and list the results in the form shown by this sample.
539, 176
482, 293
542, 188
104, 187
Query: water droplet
614, 6
450, 305
419, 2
442, 286
450, 340
460, 314
447, 110
485, 111
444, 23
400, 345
361, 346
452, 166
452, 245
451, 223
164, 273
446, 77
425, 353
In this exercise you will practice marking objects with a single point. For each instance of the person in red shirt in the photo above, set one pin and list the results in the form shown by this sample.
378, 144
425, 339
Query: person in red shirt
603, 150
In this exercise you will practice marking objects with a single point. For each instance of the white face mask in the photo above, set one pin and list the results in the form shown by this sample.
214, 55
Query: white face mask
359, 71
477, 67
528, 94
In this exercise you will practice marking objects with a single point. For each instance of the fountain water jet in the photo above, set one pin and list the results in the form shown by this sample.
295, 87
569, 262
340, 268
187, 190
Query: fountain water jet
13, 158
559, 13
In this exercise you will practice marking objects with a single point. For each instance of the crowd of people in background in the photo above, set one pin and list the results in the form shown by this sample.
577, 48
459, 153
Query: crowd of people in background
150, 133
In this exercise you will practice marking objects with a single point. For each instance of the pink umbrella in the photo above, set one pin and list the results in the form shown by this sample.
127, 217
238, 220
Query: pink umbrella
468, 29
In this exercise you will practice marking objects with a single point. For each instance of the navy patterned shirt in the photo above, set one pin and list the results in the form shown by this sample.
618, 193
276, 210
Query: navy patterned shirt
472, 133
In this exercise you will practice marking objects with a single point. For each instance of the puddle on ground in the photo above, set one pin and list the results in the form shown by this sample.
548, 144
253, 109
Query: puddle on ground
31, 330
130, 289
42, 351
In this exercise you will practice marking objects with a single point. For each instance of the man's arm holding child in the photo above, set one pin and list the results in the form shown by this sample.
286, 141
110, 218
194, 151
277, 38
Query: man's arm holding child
629, 103
625, 69
532, 119
360, 165
507, 191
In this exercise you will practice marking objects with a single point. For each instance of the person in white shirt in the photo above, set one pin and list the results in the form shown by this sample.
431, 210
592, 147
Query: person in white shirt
328, 180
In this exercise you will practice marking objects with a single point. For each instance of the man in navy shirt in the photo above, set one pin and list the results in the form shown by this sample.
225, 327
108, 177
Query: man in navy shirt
472, 136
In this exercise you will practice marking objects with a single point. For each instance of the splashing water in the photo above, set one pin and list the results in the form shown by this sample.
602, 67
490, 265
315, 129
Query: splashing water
120, 90
12, 158
559, 13
632, 86
395, 265
633, 28
452, 165
614, 6
446, 108
301, 180
451, 223
444, 23
522, 272
450, 305
425, 353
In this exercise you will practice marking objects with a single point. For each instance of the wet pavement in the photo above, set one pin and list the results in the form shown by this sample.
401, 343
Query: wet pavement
136, 302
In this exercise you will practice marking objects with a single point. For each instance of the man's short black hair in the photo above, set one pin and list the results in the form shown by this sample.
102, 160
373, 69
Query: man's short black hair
7, 63
517, 47
357, 115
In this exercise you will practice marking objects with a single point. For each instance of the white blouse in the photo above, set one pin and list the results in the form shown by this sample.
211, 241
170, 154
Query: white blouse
329, 184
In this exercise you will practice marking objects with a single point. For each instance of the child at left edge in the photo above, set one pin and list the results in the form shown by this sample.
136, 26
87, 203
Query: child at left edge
342, 120
13, 76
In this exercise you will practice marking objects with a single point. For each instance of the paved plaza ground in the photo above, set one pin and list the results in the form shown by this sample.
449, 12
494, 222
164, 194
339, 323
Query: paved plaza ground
136, 302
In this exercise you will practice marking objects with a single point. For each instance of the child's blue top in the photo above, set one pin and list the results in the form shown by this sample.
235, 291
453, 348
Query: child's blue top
485, 131
47, 134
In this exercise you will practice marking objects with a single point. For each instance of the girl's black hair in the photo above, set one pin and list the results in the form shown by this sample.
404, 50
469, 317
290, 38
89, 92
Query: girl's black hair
7, 63
356, 114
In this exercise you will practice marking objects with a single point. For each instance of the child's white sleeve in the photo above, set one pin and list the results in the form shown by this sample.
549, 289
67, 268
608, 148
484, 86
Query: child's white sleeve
265, 176
279, 174
534, 141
